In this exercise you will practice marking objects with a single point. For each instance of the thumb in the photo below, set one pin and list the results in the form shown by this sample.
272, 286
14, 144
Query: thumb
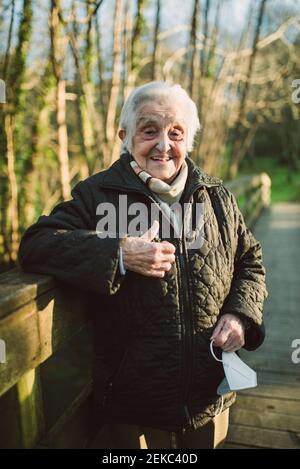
152, 232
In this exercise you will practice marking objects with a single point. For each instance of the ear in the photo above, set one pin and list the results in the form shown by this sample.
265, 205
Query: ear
122, 134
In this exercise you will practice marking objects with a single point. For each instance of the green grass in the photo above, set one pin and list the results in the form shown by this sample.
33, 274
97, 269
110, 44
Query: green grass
285, 187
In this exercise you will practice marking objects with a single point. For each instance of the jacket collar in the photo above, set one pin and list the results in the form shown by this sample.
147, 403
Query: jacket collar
120, 176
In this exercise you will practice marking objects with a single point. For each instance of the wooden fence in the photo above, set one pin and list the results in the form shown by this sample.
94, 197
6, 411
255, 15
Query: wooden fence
37, 318
253, 194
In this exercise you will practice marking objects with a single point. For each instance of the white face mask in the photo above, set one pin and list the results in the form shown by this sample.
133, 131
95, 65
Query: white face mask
238, 375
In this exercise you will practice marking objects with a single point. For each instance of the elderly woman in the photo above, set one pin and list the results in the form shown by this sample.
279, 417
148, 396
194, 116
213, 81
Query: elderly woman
157, 300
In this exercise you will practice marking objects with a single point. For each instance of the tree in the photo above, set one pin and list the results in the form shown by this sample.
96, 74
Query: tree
14, 76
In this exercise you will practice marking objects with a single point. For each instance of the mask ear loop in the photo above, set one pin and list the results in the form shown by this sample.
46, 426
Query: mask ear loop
212, 351
221, 404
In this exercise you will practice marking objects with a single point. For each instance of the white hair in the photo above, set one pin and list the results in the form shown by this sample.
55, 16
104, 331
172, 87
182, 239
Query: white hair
158, 92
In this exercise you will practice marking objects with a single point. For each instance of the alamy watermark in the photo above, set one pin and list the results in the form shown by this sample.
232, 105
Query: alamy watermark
2, 92
133, 219
296, 93
295, 357
2, 351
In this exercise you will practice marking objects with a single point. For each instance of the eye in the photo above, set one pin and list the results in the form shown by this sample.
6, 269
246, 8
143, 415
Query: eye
176, 134
150, 131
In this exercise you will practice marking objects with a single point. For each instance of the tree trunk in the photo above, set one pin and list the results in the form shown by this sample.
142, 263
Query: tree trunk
204, 55
100, 87
129, 74
238, 135
155, 41
115, 81
192, 47
57, 54
62, 140
14, 70
13, 203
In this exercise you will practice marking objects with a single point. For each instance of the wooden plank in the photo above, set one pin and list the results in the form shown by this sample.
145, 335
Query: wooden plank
282, 344
75, 427
265, 438
31, 408
286, 379
253, 190
243, 184
233, 446
10, 431
287, 407
265, 419
18, 288
21, 410
253, 215
38, 329
279, 391
276, 364
253, 201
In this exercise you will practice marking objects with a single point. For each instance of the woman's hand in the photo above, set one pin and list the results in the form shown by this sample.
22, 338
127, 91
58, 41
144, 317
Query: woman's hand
145, 257
229, 333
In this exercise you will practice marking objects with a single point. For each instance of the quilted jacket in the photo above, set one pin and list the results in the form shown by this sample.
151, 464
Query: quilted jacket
152, 364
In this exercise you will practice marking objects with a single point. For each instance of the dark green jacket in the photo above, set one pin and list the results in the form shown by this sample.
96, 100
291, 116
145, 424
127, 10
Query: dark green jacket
152, 364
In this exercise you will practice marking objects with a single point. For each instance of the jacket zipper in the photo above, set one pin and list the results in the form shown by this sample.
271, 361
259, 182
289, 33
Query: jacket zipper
189, 325
188, 353
186, 333
113, 378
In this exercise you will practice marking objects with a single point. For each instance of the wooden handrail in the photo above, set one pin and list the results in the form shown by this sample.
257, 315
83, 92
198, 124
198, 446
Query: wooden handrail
36, 320
253, 194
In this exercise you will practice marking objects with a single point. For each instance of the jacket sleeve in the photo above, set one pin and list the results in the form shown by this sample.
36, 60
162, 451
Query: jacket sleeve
66, 246
248, 288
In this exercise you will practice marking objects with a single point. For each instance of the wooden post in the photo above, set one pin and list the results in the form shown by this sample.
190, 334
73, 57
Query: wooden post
31, 408
266, 189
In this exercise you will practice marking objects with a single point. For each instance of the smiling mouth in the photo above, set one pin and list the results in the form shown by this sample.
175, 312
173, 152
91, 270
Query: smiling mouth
161, 158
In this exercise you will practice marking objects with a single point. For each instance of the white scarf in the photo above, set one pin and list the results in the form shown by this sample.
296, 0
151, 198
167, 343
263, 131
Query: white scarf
166, 194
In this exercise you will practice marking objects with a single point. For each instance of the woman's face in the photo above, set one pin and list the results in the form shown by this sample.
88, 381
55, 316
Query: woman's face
159, 144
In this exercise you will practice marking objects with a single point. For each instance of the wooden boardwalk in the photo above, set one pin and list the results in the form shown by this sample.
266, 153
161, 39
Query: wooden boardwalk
269, 415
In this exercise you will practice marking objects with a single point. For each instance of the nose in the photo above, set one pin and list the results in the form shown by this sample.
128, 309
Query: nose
163, 145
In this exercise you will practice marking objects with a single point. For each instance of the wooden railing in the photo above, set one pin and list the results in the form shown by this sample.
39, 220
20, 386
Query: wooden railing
36, 320
253, 194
